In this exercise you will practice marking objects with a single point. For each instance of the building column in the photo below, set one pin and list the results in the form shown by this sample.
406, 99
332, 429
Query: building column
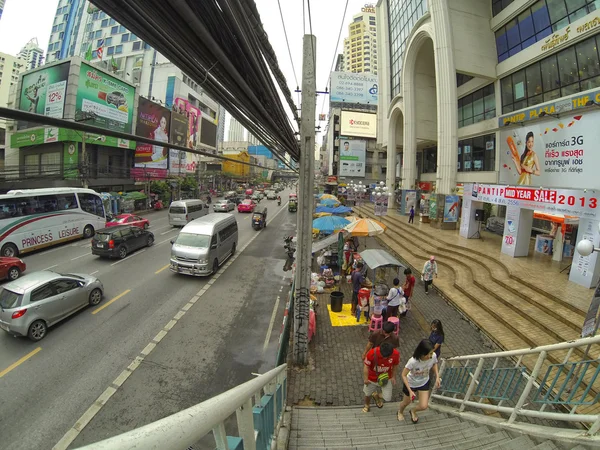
409, 144
390, 175
447, 114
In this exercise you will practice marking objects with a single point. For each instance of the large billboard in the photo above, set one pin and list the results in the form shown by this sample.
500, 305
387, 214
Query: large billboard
44, 91
353, 88
179, 136
352, 158
194, 115
553, 153
153, 122
110, 99
358, 124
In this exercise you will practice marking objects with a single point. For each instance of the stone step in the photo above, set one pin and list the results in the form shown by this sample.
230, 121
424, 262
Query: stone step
546, 445
519, 443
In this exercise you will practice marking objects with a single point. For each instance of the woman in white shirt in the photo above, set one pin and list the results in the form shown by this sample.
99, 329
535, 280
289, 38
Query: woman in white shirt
416, 378
396, 300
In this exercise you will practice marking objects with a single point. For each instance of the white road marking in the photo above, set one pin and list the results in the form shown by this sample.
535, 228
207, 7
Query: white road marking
93, 273
166, 240
169, 231
271, 323
48, 268
130, 256
81, 256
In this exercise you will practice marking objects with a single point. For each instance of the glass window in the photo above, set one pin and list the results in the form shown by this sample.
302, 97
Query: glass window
478, 106
104, 23
42, 293
567, 66
112, 21
91, 204
136, 45
122, 29
526, 25
557, 9
534, 80
62, 286
501, 42
110, 51
125, 37
118, 49
519, 86
512, 34
114, 30
98, 35
507, 94
574, 5
587, 59
549, 69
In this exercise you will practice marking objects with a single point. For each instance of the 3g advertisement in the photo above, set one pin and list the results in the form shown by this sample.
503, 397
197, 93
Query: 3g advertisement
153, 122
557, 153
110, 99
352, 158
44, 91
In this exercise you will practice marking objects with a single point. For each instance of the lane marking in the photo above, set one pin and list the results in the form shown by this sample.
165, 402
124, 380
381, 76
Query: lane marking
161, 334
161, 269
271, 323
130, 256
81, 256
169, 231
162, 242
51, 267
72, 434
122, 378
107, 304
20, 361
94, 272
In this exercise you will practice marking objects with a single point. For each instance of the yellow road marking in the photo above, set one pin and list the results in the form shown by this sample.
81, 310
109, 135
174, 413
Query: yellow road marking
97, 310
19, 362
161, 269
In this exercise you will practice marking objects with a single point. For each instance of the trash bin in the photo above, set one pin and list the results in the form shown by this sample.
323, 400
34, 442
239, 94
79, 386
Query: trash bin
337, 300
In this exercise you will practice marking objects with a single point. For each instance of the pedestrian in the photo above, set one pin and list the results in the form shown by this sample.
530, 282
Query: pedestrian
358, 280
407, 287
429, 271
396, 300
386, 334
415, 377
437, 336
411, 215
379, 373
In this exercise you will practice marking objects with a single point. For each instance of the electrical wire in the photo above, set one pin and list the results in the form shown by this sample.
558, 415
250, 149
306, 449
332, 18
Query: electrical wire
287, 42
312, 41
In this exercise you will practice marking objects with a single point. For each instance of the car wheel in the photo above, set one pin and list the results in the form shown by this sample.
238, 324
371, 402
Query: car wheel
14, 273
88, 231
150, 241
37, 330
233, 249
9, 250
146, 226
95, 297
122, 251
215, 266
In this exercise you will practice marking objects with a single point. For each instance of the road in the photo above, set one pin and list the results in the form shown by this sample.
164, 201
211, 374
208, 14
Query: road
48, 389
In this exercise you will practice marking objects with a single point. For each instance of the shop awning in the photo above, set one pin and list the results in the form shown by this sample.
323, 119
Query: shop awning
558, 218
324, 243
376, 258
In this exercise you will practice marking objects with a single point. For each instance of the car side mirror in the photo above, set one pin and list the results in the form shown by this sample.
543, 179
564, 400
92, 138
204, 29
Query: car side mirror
172, 241
81, 284
214, 246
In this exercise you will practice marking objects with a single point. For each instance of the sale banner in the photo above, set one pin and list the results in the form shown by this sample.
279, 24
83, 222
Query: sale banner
43, 91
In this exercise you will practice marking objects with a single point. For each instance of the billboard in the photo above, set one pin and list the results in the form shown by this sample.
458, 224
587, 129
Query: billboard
153, 121
353, 88
44, 91
553, 153
194, 115
110, 99
179, 136
358, 124
352, 158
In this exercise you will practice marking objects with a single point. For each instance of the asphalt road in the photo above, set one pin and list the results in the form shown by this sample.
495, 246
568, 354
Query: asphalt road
228, 333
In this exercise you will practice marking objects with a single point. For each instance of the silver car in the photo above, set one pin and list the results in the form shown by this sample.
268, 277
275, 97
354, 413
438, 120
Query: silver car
31, 304
224, 206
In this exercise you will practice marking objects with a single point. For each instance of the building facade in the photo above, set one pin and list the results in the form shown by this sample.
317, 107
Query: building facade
1, 7
10, 69
31, 54
360, 47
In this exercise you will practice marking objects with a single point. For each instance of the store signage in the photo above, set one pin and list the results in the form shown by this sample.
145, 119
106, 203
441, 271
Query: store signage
552, 153
43, 91
39, 136
354, 88
352, 158
358, 124
556, 39
580, 203
368, 9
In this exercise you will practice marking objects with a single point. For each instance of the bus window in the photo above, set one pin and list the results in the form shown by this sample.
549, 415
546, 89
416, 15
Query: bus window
91, 203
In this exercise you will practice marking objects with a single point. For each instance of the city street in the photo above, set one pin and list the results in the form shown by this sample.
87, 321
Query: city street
229, 332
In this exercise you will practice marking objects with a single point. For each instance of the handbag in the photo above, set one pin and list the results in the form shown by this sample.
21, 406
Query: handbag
383, 378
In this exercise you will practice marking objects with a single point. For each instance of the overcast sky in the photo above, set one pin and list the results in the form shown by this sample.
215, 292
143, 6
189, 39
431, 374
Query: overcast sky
23, 20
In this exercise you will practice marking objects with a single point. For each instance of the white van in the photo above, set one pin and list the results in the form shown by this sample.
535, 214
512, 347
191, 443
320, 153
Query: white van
204, 244
183, 211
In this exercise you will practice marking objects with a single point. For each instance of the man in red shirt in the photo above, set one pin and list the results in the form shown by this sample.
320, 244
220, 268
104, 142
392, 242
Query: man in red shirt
409, 285
379, 361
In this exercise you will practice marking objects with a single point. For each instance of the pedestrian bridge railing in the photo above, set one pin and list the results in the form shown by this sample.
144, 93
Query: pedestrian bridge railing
257, 404
553, 384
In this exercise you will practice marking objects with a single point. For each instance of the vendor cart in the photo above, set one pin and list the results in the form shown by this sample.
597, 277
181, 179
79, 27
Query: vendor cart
377, 261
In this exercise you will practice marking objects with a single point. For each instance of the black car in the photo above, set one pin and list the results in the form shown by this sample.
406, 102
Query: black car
119, 241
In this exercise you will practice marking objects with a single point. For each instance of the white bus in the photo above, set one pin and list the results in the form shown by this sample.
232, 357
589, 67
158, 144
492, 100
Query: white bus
31, 219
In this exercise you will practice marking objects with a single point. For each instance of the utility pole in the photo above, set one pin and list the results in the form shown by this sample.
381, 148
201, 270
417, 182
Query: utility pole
305, 197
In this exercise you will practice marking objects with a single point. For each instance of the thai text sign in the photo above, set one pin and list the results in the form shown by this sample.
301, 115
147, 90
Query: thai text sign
354, 88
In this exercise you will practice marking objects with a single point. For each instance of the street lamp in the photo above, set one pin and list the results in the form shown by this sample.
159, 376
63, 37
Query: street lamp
382, 195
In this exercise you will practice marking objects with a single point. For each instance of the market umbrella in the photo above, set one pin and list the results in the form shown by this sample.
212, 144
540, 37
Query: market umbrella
321, 214
365, 227
329, 224
329, 197
329, 202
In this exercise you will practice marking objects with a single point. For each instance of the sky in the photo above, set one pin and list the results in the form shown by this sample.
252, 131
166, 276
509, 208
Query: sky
23, 20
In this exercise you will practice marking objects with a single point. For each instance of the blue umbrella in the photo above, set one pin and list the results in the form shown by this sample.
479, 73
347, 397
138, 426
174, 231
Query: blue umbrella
338, 210
329, 224
328, 202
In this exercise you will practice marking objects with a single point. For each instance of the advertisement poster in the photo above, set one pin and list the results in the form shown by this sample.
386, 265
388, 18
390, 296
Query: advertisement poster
152, 122
358, 124
70, 161
433, 207
410, 200
554, 153
178, 135
352, 158
110, 99
353, 88
193, 115
451, 208
424, 205
43, 91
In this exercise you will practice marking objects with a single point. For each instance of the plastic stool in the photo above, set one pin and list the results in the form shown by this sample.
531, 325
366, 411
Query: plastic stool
376, 323
396, 323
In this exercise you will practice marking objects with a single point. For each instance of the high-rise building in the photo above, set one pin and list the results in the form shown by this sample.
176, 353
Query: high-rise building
236, 131
10, 68
1, 7
360, 47
32, 54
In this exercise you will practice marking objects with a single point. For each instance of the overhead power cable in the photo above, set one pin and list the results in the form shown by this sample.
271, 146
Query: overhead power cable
287, 42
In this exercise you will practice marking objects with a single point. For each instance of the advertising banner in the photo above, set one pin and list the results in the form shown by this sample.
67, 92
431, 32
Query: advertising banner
193, 115
43, 91
451, 208
70, 160
556, 153
352, 158
179, 136
583, 204
433, 207
353, 88
110, 99
152, 122
45, 135
584, 270
358, 124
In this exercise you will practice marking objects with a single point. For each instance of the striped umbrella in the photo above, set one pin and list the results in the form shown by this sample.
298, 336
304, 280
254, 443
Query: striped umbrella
329, 197
365, 227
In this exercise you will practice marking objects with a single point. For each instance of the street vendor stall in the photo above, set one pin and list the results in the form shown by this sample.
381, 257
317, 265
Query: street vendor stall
377, 261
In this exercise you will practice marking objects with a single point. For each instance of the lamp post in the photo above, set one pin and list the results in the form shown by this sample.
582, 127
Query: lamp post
382, 195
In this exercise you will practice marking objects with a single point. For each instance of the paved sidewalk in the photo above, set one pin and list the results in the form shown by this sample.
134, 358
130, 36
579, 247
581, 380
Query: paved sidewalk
334, 374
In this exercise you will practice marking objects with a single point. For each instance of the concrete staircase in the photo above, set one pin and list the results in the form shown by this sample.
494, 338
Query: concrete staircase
349, 428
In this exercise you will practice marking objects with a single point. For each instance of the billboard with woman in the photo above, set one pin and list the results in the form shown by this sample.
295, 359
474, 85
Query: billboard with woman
153, 122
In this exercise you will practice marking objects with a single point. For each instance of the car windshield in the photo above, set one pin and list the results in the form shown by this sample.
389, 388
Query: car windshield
9, 299
177, 210
222, 202
193, 240
121, 219
247, 202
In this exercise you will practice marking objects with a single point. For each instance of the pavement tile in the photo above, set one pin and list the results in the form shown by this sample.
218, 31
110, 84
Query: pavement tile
427, 442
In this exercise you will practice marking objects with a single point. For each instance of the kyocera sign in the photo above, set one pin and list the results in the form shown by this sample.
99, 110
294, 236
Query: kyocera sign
358, 124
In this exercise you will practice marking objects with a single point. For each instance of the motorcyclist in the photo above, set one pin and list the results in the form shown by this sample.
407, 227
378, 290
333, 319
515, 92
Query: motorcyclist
208, 200
279, 200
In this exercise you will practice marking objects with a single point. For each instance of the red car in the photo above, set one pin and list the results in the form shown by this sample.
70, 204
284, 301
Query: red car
129, 219
246, 206
11, 268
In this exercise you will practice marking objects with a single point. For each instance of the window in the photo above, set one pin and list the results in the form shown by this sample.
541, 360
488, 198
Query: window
42, 293
477, 154
62, 286
132, 37
92, 204
499, 5
136, 45
112, 21
114, 30
118, 49
124, 37
478, 106
430, 160
104, 23
110, 51
122, 29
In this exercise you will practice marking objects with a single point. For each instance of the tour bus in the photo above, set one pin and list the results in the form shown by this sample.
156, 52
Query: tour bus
31, 219
183, 211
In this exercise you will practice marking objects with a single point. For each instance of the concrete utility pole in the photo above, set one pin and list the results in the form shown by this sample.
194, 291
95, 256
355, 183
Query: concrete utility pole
305, 203
84, 164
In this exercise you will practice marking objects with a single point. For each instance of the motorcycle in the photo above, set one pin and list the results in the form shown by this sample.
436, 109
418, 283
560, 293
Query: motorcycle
278, 202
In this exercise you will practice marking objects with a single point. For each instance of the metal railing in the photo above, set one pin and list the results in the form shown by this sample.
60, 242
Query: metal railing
258, 405
499, 383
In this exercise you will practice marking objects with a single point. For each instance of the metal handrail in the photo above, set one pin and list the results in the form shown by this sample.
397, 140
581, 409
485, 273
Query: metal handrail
187, 427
